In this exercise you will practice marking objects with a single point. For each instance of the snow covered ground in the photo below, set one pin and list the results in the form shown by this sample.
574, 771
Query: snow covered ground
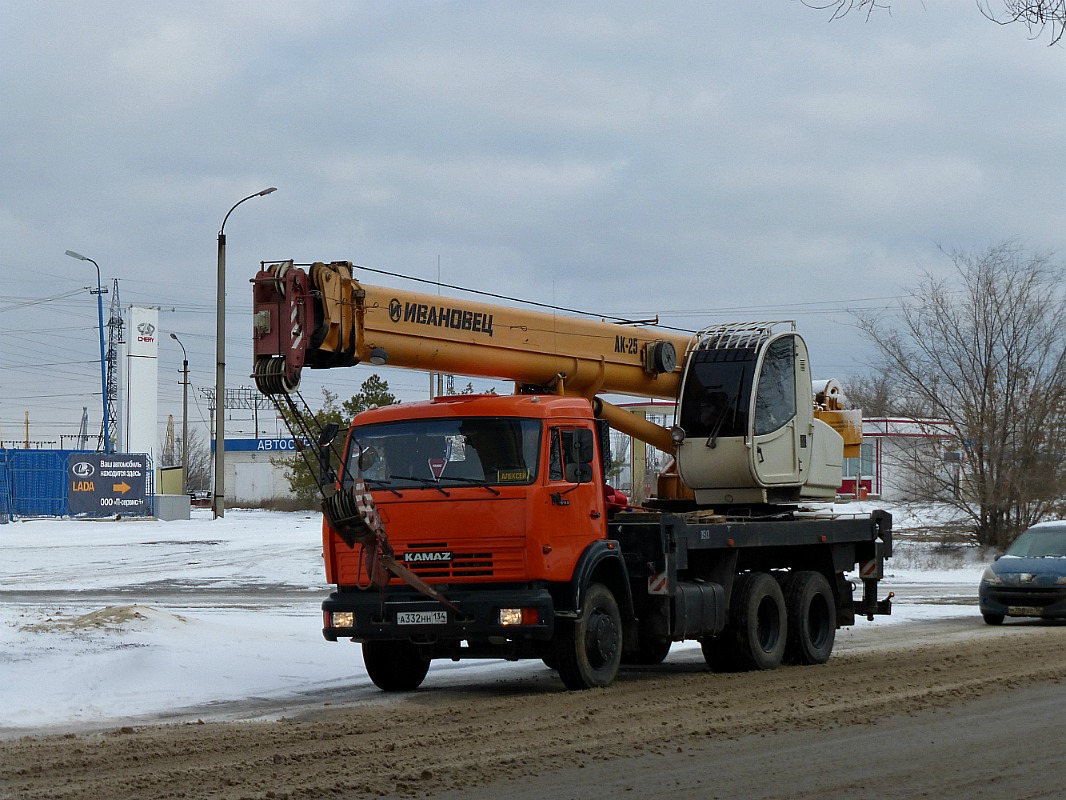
103, 621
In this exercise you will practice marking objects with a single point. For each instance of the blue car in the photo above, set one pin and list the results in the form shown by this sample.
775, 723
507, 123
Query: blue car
1029, 579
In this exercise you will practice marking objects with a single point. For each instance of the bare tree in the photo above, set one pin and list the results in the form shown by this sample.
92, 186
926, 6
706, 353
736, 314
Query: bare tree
984, 354
874, 394
1037, 16
199, 476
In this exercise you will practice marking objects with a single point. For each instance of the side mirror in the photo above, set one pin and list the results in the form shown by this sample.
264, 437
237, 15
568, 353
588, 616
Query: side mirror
582, 452
328, 434
326, 474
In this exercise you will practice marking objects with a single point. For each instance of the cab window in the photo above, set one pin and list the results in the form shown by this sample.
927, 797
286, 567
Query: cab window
561, 464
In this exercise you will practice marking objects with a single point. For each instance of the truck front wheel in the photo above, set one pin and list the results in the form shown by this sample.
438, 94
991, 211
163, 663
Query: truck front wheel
588, 650
395, 666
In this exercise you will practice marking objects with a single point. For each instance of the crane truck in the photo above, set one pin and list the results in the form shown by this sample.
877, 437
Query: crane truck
483, 526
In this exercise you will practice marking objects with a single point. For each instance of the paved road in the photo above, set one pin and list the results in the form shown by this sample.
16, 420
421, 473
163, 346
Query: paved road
948, 708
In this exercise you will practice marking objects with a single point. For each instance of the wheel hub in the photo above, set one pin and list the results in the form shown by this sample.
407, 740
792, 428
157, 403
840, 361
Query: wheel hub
602, 638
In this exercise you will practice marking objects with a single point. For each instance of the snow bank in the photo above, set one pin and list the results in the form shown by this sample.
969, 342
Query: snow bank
103, 621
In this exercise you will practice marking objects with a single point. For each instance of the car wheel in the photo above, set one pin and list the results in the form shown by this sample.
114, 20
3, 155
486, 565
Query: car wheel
993, 619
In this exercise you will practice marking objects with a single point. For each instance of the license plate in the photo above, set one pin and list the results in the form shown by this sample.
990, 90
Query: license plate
1023, 611
421, 617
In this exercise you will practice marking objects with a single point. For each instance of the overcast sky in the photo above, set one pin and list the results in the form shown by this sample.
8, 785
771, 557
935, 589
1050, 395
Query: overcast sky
705, 162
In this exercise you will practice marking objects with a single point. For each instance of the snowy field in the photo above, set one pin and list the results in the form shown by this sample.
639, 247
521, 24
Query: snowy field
103, 621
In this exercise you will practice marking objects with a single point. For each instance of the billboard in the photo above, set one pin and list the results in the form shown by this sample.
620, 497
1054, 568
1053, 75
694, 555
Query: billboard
102, 484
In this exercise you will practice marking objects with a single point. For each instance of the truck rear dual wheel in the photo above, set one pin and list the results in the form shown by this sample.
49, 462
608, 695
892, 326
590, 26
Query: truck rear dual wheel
395, 666
649, 652
756, 635
812, 622
588, 650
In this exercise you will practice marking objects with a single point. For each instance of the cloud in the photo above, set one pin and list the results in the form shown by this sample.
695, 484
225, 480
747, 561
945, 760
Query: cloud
624, 157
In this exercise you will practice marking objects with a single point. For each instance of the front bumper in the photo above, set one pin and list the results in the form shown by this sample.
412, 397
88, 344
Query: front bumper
1048, 602
378, 616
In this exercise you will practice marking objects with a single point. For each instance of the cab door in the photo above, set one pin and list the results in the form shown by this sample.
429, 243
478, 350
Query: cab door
783, 390
572, 512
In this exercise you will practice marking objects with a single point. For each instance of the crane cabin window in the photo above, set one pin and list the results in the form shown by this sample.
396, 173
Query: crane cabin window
775, 399
440, 453
717, 392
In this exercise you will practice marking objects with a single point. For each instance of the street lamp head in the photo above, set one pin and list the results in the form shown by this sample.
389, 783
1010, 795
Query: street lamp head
268, 191
184, 354
78, 256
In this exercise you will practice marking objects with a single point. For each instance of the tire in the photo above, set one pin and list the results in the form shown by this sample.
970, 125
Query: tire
395, 666
812, 621
758, 621
720, 652
993, 619
649, 653
588, 651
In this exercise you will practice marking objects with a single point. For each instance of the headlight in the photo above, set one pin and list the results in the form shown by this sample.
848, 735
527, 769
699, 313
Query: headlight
510, 616
1061, 580
519, 616
342, 619
991, 578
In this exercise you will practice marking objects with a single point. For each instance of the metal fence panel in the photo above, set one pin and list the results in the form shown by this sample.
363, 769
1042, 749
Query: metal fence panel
33, 483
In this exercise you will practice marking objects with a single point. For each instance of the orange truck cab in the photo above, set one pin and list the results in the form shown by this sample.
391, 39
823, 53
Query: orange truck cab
500, 502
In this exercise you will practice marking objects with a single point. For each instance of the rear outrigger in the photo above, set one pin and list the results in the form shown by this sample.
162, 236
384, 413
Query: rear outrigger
483, 526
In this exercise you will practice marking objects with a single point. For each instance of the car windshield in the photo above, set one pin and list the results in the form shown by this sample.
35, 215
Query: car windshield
452, 452
1040, 543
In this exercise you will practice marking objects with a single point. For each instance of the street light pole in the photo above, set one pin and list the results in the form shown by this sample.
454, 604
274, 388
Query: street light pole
103, 360
184, 416
220, 364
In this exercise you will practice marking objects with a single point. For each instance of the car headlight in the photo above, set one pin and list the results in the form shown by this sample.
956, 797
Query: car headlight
991, 578
1061, 580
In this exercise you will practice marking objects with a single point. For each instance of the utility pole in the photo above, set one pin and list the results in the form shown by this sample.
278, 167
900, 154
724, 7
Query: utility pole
184, 416
100, 292
220, 363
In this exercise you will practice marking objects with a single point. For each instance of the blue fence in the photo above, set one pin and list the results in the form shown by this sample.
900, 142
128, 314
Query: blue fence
33, 483
5, 488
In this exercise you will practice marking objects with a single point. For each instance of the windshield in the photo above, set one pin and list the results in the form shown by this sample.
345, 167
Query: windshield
717, 391
446, 452
1039, 542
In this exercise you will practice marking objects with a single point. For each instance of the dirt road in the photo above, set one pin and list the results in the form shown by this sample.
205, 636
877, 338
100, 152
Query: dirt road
920, 708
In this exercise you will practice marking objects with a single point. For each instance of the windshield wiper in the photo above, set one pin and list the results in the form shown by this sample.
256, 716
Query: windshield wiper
424, 481
473, 482
379, 484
